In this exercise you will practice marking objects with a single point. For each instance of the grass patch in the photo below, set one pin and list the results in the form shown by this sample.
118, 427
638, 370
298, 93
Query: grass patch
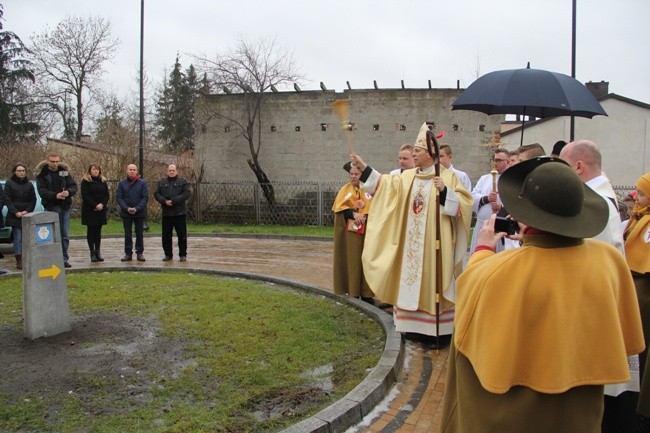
241, 356
114, 227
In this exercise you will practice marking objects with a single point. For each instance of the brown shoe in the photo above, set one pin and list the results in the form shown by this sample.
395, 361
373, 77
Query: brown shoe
141, 258
127, 258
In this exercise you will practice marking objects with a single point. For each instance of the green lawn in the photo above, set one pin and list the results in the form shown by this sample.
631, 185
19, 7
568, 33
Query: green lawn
244, 346
114, 227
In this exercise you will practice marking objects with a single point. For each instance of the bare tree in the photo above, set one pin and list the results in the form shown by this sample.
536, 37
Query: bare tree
68, 60
251, 68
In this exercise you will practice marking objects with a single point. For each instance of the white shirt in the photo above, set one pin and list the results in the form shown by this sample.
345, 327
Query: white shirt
612, 231
482, 188
464, 178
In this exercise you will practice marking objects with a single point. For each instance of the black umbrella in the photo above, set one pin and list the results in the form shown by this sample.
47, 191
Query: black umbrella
529, 92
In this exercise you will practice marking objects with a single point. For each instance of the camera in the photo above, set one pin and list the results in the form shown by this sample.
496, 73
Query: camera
506, 225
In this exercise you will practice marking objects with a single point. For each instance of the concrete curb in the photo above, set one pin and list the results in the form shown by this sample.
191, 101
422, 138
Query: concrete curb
359, 402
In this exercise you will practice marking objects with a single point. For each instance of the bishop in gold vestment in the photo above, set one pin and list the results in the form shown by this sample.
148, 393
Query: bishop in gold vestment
399, 256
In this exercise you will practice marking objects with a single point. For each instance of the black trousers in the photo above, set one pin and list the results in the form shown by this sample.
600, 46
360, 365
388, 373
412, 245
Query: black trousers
94, 237
169, 224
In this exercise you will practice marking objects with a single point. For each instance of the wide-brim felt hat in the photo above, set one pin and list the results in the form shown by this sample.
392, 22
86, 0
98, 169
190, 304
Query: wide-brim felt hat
545, 193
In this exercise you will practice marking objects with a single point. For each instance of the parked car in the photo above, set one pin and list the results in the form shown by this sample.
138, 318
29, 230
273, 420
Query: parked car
6, 237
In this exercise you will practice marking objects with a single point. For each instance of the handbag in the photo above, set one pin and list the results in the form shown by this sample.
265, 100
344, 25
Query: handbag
352, 226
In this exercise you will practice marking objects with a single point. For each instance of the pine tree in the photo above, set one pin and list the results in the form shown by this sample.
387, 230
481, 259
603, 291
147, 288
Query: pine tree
15, 74
175, 109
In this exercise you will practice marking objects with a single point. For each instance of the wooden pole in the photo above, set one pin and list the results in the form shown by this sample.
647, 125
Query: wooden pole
432, 144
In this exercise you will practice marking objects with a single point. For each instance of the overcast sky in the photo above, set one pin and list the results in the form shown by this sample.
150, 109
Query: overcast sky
359, 41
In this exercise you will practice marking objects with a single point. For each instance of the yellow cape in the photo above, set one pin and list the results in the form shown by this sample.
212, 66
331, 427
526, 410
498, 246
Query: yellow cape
637, 248
548, 318
347, 197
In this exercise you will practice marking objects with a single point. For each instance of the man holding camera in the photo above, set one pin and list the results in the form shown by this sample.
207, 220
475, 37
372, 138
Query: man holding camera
530, 358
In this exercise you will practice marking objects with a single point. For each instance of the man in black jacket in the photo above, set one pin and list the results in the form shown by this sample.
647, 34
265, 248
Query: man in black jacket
56, 188
172, 193
2, 203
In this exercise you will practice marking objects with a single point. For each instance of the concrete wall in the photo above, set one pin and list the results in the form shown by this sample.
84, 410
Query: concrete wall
623, 138
317, 155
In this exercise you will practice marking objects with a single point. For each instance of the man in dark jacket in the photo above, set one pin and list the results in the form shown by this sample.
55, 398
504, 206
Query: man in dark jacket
172, 193
2, 203
132, 196
56, 188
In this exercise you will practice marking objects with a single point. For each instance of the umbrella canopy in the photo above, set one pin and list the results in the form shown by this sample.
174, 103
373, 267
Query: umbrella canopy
529, 92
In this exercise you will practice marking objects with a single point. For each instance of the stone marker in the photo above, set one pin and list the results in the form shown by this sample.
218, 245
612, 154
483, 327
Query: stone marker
46, 311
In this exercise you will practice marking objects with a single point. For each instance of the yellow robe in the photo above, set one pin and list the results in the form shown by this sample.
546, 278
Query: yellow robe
386, 236
637, 245
348, 278
549, 316
637, 254
539, 330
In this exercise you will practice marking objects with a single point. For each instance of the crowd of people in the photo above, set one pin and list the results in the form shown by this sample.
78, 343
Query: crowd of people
550, 322
548, 325
56, 186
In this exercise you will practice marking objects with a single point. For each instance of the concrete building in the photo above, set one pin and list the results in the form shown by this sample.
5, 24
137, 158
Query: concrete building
302, 139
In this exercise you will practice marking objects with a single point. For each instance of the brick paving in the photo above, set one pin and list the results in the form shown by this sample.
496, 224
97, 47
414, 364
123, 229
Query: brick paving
415, 403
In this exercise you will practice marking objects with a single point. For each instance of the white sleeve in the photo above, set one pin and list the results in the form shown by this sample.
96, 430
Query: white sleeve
371, 183
452, 203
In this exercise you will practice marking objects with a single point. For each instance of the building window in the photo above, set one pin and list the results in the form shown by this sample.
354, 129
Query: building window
402, 127
375, 127
323, 127
226, 129
481, 128
455, 126
297, 128
273, 128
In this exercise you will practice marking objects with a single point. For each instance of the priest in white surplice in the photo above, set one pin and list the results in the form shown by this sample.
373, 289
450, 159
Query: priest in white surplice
399, 259
486, 199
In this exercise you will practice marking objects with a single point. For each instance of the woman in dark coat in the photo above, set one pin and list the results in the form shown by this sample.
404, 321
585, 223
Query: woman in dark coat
94, 196
20, 199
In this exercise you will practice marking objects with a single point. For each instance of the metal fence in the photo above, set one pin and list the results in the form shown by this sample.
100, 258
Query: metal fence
293, 203
245, 202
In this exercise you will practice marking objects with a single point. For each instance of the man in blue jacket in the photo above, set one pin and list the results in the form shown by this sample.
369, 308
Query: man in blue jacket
132, 197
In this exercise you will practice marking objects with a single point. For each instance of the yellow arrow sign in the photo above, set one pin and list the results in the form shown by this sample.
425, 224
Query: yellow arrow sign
53, 272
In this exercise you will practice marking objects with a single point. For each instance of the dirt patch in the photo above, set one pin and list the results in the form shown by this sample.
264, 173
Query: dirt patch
117, 351
116, 356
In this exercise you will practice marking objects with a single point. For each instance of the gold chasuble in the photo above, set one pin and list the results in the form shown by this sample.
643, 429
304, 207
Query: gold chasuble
399, 254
